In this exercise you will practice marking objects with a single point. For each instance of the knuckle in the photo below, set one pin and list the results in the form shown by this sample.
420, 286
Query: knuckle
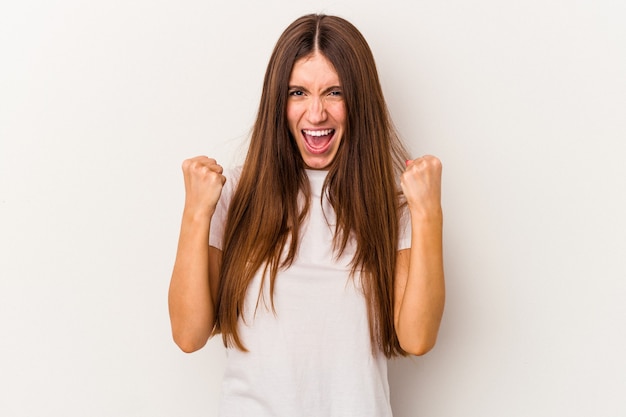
433, 160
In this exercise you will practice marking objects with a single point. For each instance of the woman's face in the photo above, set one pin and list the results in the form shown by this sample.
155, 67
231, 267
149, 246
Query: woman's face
316, 112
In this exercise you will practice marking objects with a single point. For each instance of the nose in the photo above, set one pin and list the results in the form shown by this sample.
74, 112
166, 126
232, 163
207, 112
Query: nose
316, 113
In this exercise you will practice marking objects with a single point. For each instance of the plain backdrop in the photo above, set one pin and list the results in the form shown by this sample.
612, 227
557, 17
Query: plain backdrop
524, 102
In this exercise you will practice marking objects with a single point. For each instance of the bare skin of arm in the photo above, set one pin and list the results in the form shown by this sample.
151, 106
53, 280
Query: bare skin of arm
419, 286
194, 282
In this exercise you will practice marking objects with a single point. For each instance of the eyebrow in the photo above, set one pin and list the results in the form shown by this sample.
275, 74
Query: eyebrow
299, 87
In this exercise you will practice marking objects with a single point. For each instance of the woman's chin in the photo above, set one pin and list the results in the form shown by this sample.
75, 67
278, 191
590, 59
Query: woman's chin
318, 162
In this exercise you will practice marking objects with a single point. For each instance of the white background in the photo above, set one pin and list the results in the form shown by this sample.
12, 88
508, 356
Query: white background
524, 102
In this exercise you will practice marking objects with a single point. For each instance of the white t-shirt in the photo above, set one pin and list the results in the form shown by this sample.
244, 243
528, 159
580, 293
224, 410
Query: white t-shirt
313, 356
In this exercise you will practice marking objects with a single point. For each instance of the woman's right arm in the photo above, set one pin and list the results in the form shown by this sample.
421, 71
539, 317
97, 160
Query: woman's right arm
194, 283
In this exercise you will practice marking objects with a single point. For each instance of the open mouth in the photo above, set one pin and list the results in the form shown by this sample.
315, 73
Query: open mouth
318, 141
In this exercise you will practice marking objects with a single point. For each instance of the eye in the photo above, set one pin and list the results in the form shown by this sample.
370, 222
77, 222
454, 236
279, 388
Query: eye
296, 93
335, 93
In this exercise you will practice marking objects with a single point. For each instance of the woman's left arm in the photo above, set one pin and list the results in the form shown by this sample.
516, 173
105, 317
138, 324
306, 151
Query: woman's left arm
419, 284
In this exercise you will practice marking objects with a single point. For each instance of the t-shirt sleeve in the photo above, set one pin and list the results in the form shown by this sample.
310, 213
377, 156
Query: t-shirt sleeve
404, 223
218, 221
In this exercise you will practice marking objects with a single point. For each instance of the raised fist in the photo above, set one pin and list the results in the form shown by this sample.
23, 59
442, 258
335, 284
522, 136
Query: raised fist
203, 185
421, 185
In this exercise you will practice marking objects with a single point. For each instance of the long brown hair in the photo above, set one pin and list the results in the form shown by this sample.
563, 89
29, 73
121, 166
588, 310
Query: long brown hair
265, 214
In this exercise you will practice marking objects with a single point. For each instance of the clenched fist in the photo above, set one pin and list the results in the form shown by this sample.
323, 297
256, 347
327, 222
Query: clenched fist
421, 185
203, 186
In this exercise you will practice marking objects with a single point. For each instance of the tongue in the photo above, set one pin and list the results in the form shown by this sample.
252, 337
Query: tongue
318, 142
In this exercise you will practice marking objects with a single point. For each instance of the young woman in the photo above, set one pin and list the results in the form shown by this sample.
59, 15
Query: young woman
325, 248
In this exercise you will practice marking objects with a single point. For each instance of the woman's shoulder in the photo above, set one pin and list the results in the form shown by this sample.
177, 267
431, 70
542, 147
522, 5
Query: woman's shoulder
232, 175
233, 172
